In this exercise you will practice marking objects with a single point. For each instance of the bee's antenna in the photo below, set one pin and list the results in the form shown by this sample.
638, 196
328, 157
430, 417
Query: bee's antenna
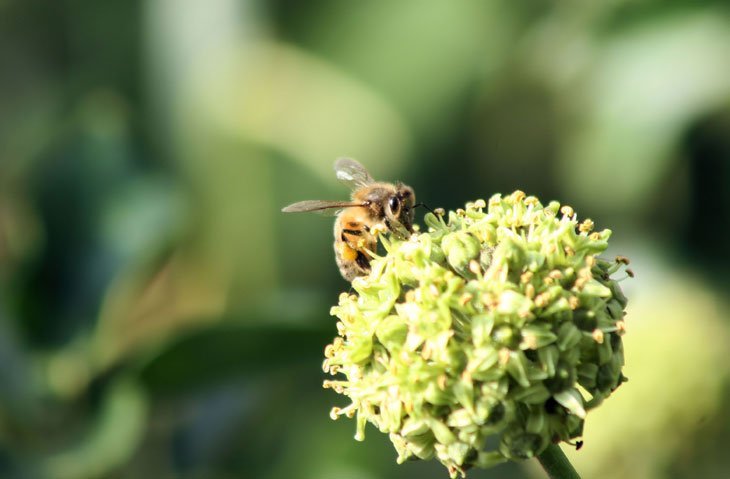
424, 205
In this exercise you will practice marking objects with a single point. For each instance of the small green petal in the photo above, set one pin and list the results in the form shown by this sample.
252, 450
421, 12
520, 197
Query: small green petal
392, 332
571, 400
489, 459
568, 336
535, 394
441, 432
536, 336
512, 302
536, 421
594, 288
414, 427
548, 357
517, 368
422, 446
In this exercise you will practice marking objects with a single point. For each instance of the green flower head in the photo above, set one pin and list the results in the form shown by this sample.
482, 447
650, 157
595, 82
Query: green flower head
485, 338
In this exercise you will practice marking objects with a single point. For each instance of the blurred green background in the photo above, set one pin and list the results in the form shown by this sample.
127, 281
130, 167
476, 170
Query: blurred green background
159, 316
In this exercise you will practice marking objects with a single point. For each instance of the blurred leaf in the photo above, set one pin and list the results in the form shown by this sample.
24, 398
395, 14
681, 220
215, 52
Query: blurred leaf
255, 90
230, 350
110, 442
423, 56
88, 168
16, 394
649, 83
297, 104
151, 302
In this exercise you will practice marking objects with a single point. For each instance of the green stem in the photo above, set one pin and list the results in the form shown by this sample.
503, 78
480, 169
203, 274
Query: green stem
556, 464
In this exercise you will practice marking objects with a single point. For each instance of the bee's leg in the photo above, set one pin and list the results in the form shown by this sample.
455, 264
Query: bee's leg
357, 236
352, 238
363, 261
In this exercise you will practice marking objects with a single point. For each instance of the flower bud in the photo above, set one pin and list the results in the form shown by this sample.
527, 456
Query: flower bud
460, 248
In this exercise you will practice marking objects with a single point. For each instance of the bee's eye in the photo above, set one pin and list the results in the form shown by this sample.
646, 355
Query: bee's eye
394, 204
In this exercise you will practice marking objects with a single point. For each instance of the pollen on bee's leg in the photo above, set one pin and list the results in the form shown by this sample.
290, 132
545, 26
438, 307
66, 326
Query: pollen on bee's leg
348, 254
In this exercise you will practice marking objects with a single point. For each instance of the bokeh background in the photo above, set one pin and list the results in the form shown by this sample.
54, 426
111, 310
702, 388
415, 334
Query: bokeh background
159, 316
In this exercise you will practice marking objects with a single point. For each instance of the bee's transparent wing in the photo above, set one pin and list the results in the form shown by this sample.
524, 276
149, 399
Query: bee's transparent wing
319, 206
352, 173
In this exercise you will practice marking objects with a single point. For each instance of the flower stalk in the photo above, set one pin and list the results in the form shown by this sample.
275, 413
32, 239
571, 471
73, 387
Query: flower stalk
556, 464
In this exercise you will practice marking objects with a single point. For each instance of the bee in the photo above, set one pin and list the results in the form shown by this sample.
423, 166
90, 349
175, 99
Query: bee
373, 206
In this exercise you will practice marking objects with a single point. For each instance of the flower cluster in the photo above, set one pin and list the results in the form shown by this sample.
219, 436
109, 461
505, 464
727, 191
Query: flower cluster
484, 339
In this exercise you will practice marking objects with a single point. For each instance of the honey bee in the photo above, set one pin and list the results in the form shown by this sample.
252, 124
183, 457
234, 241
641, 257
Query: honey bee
373, 206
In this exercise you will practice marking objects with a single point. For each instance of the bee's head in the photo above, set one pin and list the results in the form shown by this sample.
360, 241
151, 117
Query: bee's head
399, 210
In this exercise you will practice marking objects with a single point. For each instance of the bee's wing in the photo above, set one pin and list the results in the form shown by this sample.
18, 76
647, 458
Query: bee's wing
322, 206
352, 173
